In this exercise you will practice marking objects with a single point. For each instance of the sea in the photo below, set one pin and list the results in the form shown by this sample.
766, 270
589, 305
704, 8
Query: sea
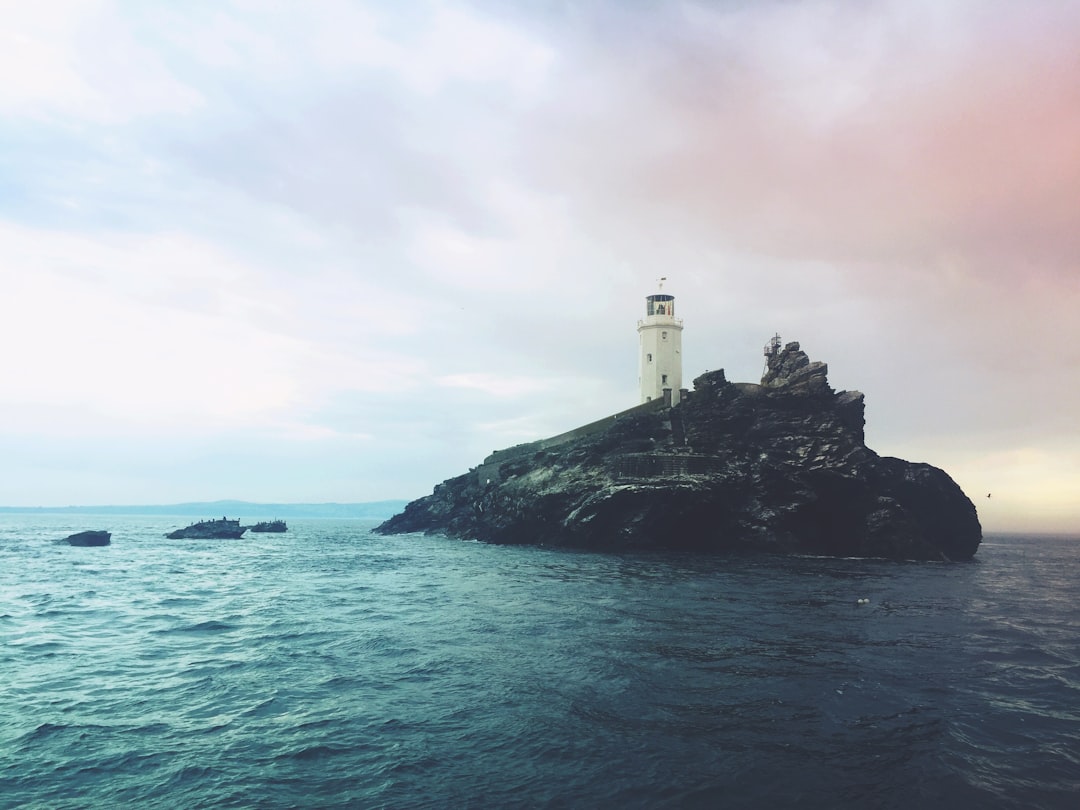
330, 667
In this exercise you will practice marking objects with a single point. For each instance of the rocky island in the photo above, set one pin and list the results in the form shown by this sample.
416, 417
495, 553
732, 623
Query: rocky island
223, 529
91, 537
780, 466
274, 526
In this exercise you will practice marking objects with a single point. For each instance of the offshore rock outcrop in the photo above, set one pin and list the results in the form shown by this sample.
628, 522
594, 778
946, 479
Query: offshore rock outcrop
223, 529
92, 537
274, 526
781, 467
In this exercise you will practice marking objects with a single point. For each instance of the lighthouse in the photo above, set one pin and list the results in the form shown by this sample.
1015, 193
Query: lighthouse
660, 347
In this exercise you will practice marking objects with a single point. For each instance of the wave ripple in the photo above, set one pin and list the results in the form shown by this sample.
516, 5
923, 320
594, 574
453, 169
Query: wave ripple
329, 667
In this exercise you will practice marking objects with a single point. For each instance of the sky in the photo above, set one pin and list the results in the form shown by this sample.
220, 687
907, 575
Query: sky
341, 251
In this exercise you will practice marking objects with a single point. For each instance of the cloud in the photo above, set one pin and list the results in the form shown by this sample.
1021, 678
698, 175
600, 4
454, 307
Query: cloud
493, 385
895, 132
166, 329
82, 60
356, 116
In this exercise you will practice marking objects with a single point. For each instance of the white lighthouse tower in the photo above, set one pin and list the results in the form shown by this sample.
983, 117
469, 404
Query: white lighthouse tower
660, 341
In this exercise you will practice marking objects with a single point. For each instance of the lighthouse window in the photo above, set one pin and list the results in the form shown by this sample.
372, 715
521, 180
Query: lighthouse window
663, 335
648, 358
663, 379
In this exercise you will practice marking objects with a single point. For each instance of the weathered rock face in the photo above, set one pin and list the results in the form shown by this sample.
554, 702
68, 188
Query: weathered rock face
210, 530
781, 466
88, 538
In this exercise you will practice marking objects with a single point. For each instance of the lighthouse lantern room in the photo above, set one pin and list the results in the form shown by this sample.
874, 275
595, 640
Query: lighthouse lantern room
660, 345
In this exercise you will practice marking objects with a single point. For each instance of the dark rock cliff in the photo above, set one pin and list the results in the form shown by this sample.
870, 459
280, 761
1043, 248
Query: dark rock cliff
781, 466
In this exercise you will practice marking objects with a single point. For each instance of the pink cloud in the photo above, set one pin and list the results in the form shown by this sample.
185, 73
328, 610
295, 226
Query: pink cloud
896, 137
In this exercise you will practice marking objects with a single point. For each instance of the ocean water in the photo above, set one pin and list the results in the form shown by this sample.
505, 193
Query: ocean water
330, 667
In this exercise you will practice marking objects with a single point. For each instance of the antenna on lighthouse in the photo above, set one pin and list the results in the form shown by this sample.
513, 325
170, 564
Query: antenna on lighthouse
660, 282
772, 349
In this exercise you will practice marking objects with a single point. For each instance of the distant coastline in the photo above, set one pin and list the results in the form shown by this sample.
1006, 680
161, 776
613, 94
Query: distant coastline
373, 510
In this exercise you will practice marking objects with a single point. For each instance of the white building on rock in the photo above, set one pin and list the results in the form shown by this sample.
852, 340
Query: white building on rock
660, 342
